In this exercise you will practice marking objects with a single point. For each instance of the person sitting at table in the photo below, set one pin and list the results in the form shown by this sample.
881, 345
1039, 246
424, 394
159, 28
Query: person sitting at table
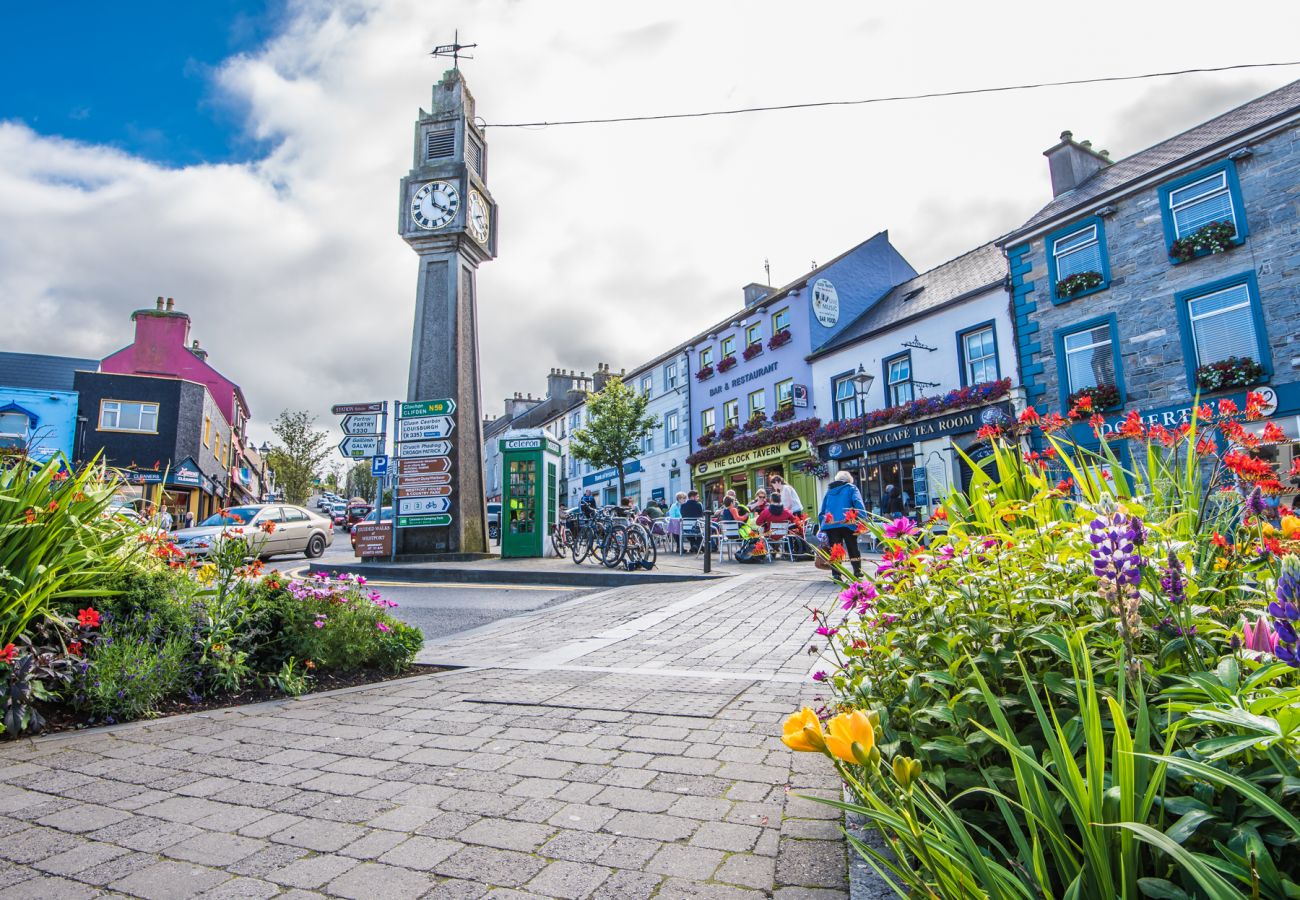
675, 511
773, 514
731, 511
693, 509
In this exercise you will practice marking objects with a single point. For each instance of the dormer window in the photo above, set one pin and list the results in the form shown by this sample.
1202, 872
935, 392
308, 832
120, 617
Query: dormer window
440, 144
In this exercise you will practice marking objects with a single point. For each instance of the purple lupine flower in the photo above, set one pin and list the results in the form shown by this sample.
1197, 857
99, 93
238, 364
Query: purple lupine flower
1115, 538
1285, 612
1255, 505
1259, 637
1172, 581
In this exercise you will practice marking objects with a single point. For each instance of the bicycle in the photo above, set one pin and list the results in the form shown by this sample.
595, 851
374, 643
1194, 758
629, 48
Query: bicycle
631, 544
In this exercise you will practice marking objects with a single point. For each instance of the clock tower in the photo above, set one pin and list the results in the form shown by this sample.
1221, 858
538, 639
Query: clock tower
446, 214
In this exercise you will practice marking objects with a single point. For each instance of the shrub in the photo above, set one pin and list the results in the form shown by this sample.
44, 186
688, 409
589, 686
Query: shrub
157, 599
131, 669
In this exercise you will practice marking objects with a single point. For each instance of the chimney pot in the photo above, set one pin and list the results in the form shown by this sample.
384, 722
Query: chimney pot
160, 302
170, 304
1067, 135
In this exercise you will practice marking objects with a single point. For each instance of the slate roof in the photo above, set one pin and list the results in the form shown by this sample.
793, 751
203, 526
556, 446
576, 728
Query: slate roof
34, 371
1221, 130
979, 270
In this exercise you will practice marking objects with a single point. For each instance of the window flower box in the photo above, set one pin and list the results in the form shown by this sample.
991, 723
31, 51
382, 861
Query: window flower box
756, 422
1103, 396
1077, 284
727, 362
728, 442
921, 408
728, 432
1235, 371
752, 350
704, 372
1212, 238
784, 414
705, 439
780, 339
814, 467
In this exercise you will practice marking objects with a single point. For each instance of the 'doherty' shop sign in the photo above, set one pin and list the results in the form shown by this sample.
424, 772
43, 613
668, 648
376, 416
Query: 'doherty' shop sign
745, 457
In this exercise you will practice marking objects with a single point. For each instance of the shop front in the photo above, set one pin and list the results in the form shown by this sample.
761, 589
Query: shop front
917, 460
180, 490
748, 470
605, 484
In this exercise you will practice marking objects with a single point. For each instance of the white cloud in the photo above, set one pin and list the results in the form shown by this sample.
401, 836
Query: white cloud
616, 242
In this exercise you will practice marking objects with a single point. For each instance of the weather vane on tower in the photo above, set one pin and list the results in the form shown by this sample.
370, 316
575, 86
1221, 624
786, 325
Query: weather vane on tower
454, 50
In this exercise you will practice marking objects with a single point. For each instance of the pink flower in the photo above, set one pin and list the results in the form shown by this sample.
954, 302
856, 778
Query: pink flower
900, 528
1260, 637
827, 632
382, 627
860, 594
819, 676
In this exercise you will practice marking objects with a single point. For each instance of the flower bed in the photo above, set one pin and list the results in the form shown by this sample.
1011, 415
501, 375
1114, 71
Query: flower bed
1078, 283
1229, 373
1215, 237
963, 398
124, 627
1077, 686
727, 362
729, 443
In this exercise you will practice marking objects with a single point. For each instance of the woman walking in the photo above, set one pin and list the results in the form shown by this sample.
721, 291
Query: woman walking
841, 509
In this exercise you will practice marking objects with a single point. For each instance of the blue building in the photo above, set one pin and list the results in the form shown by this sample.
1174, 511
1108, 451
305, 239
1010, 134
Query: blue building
38, 405
1167, 275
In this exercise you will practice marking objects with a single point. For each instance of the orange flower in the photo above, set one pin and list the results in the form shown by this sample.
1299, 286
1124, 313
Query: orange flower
1205, 413
1227, 408
54, 504
268, 526
1273, 435
838, 553
1029, 416
1132, 427
851, 515
30, 515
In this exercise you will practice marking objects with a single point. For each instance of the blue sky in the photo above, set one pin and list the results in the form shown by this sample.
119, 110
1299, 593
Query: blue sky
136, 76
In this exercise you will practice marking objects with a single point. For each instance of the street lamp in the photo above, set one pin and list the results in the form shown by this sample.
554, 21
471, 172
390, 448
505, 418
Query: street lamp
262, 452
862, 381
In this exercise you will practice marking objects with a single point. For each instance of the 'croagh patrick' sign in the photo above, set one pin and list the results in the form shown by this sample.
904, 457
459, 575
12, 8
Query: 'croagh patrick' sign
952, 423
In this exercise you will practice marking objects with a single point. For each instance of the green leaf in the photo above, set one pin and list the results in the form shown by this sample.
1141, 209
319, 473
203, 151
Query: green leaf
1181, 830
1160, 889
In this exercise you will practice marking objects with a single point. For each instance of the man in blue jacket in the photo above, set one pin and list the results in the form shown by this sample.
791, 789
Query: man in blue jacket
841, 510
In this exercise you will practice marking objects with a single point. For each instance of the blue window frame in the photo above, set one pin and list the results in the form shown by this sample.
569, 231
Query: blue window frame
1221, 319
1087, 355
1200, 198
977, 354
898, 379
1078, 248
844, 396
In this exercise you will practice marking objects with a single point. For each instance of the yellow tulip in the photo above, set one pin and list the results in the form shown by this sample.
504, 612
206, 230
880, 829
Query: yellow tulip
851, 737
803, 732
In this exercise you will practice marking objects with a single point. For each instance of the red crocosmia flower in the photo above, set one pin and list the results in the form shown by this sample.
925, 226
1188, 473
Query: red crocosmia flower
1132, 426
851, 515
88, 618
1272, 434
54, 505
30, 515
1219, 540
1029, 416
1065, 485
839, 554
988, 432
1227, 408
1247, 467
829, 518
7, 654
1270, 486
268, 526
1273, 545
61, 475
1205, 413
1054, 422
1205, 446
1295, 468
75, 648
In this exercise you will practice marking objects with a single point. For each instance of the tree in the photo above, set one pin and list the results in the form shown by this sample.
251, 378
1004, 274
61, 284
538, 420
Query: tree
360, 483
298, 453
616, 424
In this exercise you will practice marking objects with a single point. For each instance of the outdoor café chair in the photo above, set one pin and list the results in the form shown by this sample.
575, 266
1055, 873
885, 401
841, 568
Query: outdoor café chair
778, 540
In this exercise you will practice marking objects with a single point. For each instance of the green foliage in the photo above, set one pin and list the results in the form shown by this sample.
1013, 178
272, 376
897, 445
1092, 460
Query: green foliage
298, 454
291, 679
131, 670
162, 598
359, 481
58, 542
616, 424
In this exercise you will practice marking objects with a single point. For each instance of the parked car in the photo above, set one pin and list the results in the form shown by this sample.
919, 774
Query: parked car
494, 521
295, 530
338, 512
385, 515
357, 512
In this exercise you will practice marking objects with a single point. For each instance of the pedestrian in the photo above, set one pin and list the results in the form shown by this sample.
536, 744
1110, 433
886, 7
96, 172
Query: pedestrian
165, 520
788, 496
189, 518
692, 509
892, 505
840, 511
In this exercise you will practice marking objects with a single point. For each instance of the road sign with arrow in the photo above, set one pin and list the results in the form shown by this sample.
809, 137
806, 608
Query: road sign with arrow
362, 446
426, 408
365, 423
424, 428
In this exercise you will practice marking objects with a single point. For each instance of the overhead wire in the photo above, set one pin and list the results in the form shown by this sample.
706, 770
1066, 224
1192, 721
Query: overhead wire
928, 95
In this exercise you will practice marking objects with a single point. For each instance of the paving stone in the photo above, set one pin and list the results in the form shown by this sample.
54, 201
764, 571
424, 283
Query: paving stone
447, 825
535, 811
108, 872
269, 825
457, 889
726, 836
811, 863
570, 880
170, 881
490, 866
312, 871
654, 827
627, 886
707, 808
318, 835
577, 846
797, 807
274, 858
578, 792
34, 844
49, 887
215, 849
685, 862
374, 844
582, 817
678, 889
748, 870
370, 880
819, 829
83, 857
523, 836
421, 853
241, 889
83, 818
802, 893
158, 837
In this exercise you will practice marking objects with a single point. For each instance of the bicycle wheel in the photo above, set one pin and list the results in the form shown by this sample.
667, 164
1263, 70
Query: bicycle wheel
640, 549
600, 534
581, 545
557, 540
614, 546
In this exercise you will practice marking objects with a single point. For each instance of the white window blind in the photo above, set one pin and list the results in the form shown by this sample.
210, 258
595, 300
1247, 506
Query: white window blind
1223, 326
1077, 252
1088, 358
1201, 203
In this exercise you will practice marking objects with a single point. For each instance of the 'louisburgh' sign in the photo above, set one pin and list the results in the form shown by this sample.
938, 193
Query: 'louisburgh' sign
952, 423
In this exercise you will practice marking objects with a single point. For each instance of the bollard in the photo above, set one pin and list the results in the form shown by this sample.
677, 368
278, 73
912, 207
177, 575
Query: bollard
708, 541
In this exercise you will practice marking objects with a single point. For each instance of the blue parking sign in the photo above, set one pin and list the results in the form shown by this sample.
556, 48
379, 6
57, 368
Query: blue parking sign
379, 466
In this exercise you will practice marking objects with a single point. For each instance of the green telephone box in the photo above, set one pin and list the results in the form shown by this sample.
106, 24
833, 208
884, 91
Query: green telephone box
530, 468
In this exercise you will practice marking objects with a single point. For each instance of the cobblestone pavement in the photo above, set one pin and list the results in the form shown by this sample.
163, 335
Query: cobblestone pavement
623, 745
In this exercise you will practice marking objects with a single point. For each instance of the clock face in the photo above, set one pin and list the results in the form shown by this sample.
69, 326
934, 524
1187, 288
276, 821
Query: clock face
435, 205
478, 222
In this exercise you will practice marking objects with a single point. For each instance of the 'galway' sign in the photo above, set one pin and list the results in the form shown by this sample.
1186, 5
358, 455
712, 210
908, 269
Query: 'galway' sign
952, 423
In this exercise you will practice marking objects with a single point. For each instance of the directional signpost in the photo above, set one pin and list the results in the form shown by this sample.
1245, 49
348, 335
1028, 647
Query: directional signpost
366, 423
424, 468
366, 427
363, 446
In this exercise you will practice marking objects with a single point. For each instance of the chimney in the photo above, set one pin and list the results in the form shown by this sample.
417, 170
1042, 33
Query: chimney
1072, 163
559, 383
160, 304
171, 304
755, 292
162, 336
197, 351
601, 377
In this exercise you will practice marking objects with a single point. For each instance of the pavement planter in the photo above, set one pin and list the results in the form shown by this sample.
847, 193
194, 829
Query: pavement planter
606, 747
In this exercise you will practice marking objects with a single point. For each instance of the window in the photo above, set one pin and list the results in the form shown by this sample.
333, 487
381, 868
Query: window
1089, 358
575, 420
731, 413
670, 375
757, 403
1078, 250
706, 357
845, 393
672, 429
785, 393
898, 376
294, 515
14, 424
1203, 198
979, 355
1220, 320
729, 346
207, 431
647, 383
752, 335
440, 144
216, 446
780, 320
122, 415
648, 443
707, 421
474, 156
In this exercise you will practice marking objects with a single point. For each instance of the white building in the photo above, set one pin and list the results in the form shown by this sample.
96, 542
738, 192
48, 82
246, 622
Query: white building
929, 364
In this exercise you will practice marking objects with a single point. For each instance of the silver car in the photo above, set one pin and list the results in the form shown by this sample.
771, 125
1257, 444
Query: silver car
275, 528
